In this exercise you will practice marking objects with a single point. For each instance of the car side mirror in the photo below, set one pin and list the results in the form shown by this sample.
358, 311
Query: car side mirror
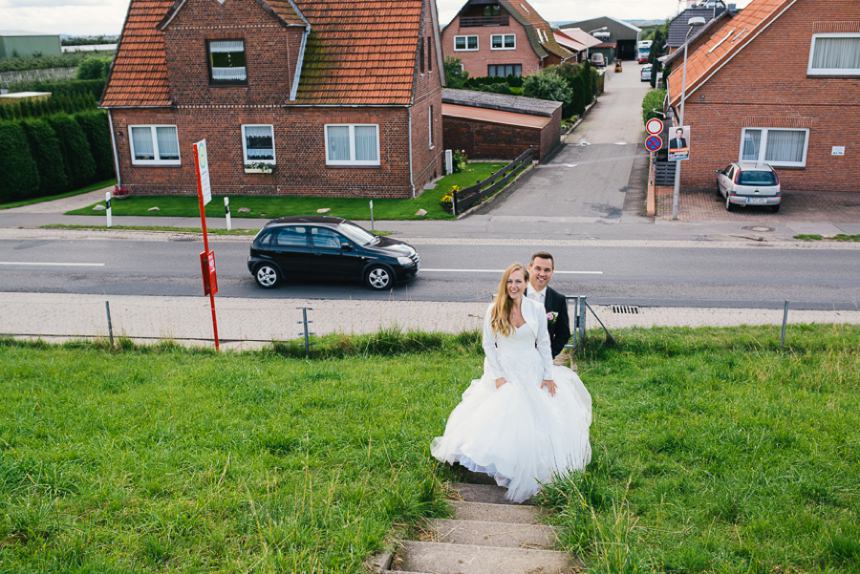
346, 246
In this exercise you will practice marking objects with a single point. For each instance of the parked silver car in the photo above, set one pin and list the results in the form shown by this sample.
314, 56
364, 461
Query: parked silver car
749, 183
645, 73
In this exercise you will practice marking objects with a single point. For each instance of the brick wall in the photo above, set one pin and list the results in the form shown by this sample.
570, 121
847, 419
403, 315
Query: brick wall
766, 86
427, 160
299, 151
476, 62
271, 51
485, 140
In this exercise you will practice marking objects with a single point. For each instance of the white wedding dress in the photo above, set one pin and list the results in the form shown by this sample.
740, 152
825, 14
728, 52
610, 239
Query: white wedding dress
519, 434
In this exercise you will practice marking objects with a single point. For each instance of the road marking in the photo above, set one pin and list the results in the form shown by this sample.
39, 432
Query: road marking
48, 264
502, 271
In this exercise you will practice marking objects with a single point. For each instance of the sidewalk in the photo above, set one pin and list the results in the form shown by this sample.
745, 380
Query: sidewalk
253, 323
776, 229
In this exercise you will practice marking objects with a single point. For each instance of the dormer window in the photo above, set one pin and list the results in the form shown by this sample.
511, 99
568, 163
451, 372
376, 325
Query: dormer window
227, 62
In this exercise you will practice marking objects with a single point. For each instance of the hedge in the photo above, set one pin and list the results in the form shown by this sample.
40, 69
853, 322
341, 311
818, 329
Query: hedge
97, 131
93, 88
20, 178
80, 165
45, 151
652, 104
33, 108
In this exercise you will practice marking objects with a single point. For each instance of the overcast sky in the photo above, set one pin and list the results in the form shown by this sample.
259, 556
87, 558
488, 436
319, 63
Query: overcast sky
106, 16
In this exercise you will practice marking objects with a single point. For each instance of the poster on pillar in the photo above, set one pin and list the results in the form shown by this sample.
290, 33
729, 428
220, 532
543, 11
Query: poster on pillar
679, 143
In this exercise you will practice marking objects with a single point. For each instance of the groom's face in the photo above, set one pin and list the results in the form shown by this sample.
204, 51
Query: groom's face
540, 272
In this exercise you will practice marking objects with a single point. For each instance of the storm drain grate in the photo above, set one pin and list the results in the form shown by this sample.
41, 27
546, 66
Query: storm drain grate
626, 309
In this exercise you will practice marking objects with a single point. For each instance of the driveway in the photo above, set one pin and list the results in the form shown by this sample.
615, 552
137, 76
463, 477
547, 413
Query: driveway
602, 167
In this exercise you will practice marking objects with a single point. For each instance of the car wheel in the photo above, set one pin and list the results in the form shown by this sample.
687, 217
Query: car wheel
729, 205
774, 208
267, 276
378, 277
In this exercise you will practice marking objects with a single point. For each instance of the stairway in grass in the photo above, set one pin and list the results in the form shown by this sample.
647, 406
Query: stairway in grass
487, 535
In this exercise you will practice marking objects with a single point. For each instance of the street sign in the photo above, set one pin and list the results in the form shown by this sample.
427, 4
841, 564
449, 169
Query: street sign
202, 162
653, 143
654, 126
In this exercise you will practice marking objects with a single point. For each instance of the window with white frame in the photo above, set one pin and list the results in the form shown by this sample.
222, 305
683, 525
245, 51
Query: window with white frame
780, 147
258, 143
465, 43
154, 145
227, 62
503, 42
352, 144
834, 55
505, 70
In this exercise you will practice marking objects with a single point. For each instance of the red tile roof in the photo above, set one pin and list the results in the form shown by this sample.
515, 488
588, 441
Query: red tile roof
533, 22
726, 41
359, 53
139, 73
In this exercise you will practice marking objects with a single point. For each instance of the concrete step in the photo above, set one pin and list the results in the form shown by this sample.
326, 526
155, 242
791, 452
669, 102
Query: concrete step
486, 512
480, 533
489, 493
442, 558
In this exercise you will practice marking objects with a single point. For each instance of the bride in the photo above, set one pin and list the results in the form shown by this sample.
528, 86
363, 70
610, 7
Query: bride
525, 420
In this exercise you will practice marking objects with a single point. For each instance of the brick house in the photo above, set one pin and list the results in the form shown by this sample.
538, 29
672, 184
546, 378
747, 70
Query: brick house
294, 97
778, 82
501, 38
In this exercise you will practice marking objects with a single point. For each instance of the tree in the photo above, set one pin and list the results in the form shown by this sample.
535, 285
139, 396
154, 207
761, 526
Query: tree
80, 166
96, 128
45, 150
20, 176
455, 75
548, 85
93, 68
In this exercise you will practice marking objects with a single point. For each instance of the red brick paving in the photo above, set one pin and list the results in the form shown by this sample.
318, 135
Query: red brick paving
797, 206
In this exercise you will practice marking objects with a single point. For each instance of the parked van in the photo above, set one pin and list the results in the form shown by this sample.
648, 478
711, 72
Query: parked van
598, 60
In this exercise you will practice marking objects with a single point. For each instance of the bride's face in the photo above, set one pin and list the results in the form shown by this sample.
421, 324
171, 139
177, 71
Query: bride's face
516, 284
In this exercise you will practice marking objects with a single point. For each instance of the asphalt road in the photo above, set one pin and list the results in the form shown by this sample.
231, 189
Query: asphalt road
684, 275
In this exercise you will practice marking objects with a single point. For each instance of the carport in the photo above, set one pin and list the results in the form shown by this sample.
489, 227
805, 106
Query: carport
496, 126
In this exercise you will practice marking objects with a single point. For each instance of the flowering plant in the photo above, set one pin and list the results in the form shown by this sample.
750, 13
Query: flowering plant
551, 317
447, 200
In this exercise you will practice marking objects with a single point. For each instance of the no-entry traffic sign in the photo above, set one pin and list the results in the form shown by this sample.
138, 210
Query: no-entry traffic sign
653, 143
654, 126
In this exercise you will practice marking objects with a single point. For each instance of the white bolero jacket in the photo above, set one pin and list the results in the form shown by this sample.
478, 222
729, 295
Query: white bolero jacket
535, 315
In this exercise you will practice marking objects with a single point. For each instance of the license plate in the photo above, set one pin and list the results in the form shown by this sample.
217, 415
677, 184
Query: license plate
756, 201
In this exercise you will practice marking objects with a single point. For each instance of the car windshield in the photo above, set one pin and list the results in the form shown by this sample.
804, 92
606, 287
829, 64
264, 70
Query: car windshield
357, 234
757, 178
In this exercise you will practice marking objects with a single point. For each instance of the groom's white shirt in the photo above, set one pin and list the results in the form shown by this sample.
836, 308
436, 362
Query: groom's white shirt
535, 295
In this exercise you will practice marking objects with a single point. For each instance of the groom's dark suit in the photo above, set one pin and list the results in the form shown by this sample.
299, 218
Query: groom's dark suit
559, 330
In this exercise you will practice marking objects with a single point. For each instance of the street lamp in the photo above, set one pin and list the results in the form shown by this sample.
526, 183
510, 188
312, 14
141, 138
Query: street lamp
676, 194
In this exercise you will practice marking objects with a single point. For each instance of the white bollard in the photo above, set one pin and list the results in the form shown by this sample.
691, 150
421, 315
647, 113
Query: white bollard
371, 216
227, 213
108, 209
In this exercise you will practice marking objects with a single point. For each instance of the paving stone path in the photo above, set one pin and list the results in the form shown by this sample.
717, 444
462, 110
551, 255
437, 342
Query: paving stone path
487, 535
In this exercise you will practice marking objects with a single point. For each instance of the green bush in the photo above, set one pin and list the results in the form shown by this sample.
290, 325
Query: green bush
20, 178
45, 151
68, 60
94, 68
548, 85
455, 76
96, 129
78, 159
653, 100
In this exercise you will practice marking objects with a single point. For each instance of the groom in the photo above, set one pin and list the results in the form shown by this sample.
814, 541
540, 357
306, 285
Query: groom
540, 269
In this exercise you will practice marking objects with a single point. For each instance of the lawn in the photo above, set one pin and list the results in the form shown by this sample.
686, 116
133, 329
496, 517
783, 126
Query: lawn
34, 200
714, 452
269, 207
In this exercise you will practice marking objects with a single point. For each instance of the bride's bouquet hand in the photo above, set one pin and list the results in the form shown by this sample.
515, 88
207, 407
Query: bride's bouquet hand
550, 386
501, 381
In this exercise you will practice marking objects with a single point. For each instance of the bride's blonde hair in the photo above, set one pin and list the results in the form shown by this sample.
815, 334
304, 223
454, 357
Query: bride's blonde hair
500, 314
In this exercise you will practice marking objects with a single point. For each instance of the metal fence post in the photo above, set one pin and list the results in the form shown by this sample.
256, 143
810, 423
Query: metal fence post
582, 304
784, 321
110, 324
305, 331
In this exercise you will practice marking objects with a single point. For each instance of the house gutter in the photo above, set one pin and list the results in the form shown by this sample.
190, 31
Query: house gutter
115, 151
411, 175
301, 60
